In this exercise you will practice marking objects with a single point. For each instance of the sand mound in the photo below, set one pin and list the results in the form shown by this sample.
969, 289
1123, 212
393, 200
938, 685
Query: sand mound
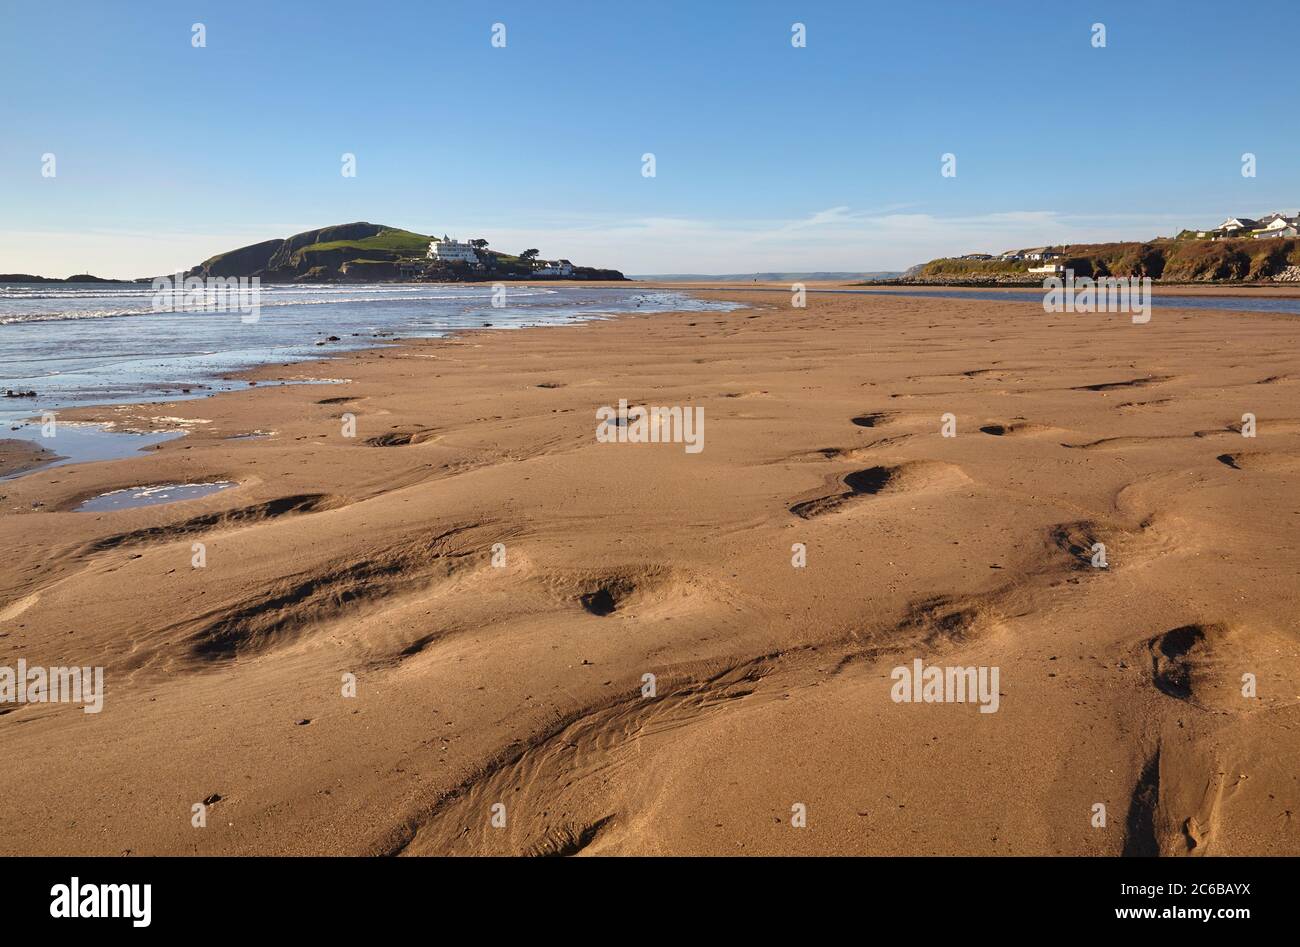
1207, 665
224, 519
944, 622
628, 590
562, 776
910, 477
307, 601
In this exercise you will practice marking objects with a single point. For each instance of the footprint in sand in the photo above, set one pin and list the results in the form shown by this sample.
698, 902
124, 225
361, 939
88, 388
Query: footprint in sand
638, 589
1017, 429
1206, 664
1266, 461
402, 438
874, 419
1078, 540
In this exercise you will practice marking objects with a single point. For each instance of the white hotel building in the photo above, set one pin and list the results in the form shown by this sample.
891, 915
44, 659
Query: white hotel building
447, 250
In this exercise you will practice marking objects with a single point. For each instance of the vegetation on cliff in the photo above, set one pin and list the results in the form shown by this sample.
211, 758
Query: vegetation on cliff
1170, 260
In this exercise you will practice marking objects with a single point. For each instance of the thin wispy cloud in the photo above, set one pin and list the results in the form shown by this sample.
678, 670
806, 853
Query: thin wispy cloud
833, 238
836, 238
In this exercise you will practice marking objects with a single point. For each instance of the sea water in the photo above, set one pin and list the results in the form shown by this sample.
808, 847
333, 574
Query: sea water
78, 344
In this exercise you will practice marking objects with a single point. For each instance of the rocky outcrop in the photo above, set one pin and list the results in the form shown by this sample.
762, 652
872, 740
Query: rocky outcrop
369, 271
246, 261
590, 273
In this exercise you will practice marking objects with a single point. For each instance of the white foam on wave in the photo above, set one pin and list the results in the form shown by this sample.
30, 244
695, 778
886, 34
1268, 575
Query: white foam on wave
315, 298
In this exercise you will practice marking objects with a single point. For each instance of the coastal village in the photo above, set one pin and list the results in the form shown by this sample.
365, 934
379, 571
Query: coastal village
1040, 255
1226, 253
1271, 226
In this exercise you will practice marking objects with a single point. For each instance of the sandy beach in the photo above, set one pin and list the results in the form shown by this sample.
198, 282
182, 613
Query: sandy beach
474, 628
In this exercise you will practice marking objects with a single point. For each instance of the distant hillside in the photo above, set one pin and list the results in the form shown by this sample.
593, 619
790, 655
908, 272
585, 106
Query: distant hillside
763, 277
1171, 260
364, 252
78, 278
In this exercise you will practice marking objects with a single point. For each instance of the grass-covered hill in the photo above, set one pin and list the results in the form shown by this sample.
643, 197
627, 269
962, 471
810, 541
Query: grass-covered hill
1170, 260
359, 252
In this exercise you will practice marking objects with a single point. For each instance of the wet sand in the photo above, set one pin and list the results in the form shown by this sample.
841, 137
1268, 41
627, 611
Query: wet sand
522, 683
17, 455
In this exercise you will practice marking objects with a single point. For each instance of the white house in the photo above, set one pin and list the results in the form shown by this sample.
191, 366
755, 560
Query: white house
558, 268
448, 250
1041, 253
1237, 224
1276, 224
1279, 227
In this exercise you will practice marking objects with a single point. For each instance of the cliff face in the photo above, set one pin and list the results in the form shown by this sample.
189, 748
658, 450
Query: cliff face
369, 271
246, 261
289, 255
291, 258
1188, 261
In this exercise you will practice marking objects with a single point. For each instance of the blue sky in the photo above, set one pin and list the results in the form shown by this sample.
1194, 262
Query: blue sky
768, 157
